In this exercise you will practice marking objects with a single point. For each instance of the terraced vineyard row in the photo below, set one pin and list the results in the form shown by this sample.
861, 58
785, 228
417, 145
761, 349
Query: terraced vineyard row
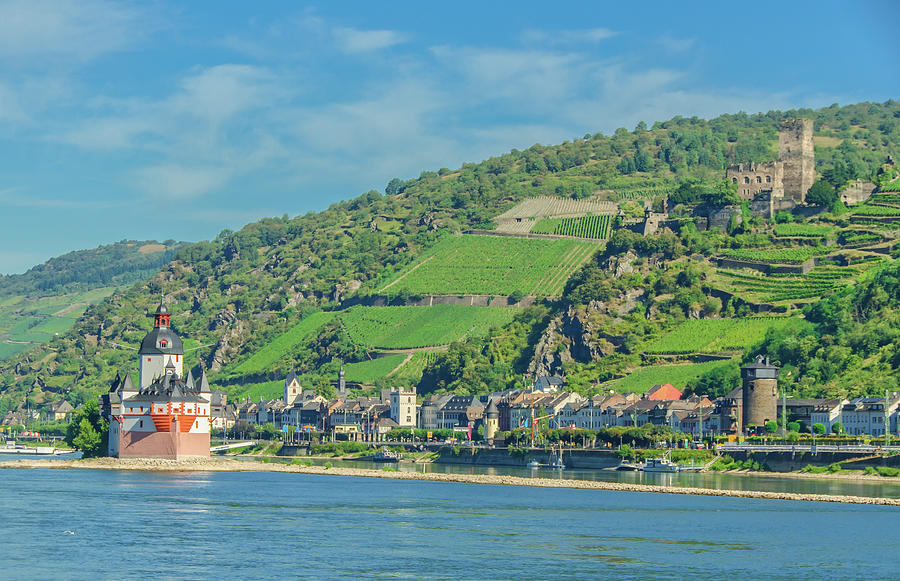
412, 327
776, 255
583, 227
494, 265
872, 210
770, 289
715, 335
543, 206
802, 230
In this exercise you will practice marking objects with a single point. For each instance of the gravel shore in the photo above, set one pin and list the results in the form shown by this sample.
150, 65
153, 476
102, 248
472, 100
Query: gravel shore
228, 465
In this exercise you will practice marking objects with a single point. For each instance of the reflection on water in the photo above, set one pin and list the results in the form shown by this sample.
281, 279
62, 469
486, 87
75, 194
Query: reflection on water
715, 480
88, 524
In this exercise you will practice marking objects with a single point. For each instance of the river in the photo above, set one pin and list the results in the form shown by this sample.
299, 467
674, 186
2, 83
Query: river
105, 524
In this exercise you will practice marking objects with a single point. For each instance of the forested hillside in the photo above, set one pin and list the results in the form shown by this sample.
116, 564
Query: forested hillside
48, 299
247, 290
109, 265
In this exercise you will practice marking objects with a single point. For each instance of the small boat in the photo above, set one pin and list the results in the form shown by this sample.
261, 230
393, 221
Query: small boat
660, 465
386, 456
534, 464
628, 466
557, 461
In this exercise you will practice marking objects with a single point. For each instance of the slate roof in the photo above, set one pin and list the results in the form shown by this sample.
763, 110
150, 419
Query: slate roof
169, 387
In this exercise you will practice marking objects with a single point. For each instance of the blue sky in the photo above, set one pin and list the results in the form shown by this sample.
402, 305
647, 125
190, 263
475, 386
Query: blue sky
176, 120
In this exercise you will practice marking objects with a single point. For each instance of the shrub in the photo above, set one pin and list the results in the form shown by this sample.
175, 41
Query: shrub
771, 427
819, 429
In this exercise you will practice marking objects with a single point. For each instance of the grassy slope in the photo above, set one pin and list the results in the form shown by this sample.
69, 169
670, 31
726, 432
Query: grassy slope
410, 327
714, 335
283, 344
646, 377
493, 265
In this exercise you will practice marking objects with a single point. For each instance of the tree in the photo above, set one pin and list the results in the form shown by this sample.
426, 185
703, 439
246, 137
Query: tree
89, 432
837, 428
771, 427
821, 194
818, 429
393, 187
793, 426
724, 194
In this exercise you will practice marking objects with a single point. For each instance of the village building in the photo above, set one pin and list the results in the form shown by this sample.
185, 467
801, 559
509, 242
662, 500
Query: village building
167, 414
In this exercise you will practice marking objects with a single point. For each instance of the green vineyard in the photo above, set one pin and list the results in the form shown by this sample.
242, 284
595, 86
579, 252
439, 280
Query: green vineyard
583, 227
802, 230
774, 288
368, 371
494, 265
644, 378
282, 345
776, 255
868, 210
412, 327
716, 335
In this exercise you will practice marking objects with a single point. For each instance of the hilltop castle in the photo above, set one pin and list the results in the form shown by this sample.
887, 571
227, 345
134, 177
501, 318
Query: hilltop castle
167, 414
785, 180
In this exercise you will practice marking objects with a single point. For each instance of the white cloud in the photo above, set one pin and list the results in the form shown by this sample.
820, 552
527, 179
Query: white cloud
354, 41
67, 30
179, 181
585, 36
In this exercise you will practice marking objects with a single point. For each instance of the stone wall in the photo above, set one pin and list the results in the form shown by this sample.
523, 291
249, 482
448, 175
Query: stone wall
754, 178
858, 191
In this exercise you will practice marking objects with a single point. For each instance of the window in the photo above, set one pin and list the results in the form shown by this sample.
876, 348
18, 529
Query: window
142, 424
746, 180
768, 179
758, 179
163, 343
734, 180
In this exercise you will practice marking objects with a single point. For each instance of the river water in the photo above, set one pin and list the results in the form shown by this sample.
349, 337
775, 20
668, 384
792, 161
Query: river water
98, 524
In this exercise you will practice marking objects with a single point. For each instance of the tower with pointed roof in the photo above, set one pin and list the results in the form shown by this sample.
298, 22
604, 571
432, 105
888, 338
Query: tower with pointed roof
491, 421
167, 415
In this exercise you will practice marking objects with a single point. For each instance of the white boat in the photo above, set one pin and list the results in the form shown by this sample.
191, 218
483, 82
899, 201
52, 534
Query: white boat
660, 465
386, 456
534, 464
628, 466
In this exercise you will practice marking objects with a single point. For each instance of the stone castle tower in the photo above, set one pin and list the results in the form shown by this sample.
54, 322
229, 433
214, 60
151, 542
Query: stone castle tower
760, 393
795, 151
786, 180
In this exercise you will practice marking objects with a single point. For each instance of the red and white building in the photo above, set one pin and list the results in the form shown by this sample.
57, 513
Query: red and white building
167, 415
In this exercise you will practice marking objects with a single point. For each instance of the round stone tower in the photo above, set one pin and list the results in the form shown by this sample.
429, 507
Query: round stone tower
491, 421
760, 393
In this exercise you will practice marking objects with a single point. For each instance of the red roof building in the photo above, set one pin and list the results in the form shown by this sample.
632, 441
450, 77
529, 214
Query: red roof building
663, 393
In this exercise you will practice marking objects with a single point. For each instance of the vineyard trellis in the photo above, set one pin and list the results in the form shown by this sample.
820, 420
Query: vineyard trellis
591, 226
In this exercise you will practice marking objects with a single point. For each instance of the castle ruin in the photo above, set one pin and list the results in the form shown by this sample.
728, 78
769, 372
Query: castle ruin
786, 181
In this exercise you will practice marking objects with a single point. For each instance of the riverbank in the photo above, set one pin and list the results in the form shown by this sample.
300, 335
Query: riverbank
229, 465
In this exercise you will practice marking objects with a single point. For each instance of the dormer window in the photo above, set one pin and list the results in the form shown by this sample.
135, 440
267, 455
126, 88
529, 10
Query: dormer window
163, 343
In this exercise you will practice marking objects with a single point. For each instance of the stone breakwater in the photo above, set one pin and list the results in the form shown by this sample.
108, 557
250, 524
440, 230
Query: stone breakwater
227, 465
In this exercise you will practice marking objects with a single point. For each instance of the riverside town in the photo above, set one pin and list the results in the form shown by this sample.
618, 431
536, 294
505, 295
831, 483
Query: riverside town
334, 291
